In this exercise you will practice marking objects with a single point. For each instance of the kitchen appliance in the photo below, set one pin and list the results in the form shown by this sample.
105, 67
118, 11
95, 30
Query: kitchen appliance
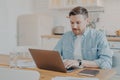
58, 30
118, 32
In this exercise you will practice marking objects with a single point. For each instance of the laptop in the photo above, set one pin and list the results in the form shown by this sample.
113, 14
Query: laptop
49, 60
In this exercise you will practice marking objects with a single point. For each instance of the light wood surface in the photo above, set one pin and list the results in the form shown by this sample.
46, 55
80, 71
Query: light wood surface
48, 75
51, 36
116, 39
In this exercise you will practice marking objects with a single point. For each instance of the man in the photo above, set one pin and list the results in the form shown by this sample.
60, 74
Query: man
84, 46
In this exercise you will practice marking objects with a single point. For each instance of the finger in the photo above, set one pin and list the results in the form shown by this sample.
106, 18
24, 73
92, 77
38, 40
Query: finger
70, 64
66, 62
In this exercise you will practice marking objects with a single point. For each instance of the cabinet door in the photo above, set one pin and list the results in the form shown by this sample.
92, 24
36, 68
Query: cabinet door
31, 27
66, 4
55, 4
114, 45
116, 60
49, 43
28, 30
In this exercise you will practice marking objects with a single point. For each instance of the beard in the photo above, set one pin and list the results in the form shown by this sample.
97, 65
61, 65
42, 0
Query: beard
76, 31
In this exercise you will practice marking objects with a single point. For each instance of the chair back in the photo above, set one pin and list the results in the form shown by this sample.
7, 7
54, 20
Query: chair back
16, 74
116, 62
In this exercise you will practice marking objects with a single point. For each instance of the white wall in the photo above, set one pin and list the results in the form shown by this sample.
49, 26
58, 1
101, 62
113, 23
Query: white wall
59, 16
9, 11
109, 20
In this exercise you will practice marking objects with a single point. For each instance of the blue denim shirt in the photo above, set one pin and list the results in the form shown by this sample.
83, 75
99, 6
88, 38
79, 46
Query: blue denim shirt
94, 47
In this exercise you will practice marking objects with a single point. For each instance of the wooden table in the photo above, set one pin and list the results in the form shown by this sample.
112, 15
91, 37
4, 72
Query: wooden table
48, 75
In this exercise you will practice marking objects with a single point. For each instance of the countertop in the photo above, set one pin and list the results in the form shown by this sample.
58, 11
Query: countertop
109, 38
115, 39
51, 36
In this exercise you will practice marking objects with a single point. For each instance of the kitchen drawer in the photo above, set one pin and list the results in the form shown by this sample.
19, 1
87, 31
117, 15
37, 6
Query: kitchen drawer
116, 60
114, 45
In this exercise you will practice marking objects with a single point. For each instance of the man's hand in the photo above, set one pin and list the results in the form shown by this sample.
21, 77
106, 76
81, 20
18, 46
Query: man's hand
70, 63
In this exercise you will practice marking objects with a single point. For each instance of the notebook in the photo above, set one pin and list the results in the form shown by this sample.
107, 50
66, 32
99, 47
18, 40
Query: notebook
49, 60
72, 78
89, 72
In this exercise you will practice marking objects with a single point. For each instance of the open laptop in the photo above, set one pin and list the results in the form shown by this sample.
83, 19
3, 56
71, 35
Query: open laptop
49, 60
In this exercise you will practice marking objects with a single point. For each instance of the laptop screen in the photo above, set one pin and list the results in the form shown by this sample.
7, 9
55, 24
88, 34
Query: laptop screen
49, 60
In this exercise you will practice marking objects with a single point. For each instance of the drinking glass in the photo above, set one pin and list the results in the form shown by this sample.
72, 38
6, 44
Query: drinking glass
13, 59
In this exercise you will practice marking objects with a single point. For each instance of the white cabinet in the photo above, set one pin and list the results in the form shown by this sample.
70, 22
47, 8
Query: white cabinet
115, 47
31, 27
116, 61
63, 4
49, 41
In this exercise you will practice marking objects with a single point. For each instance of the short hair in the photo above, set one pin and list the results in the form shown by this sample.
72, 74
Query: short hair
79, 10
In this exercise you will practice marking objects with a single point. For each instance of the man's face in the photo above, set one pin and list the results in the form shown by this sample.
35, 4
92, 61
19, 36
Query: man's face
78, 24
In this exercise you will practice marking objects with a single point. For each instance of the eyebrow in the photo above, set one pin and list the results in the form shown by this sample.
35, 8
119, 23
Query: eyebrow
71, 21
75, 22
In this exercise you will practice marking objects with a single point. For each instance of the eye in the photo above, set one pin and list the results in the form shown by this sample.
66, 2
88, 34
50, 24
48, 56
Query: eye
77, 22
72, 22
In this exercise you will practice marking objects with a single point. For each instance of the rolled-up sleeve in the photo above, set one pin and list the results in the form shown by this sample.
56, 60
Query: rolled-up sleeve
105, 54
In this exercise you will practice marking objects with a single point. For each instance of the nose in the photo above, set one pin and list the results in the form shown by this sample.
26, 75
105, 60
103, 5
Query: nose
75, 26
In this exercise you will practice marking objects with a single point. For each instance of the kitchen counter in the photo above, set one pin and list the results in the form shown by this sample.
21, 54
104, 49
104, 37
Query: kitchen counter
115, 39
51, 36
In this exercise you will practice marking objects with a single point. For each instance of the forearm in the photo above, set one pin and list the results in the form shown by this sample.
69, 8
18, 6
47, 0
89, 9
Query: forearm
86, 63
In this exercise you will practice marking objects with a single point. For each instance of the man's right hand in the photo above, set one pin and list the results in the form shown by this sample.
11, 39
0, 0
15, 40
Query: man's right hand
70, 63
